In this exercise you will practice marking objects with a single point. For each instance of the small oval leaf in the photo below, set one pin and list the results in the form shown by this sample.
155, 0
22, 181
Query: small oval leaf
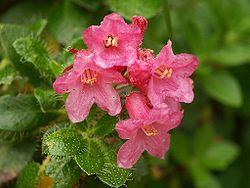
222, 86
90, 161
65, 142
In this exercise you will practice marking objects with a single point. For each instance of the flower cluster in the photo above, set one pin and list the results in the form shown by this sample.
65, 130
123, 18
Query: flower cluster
115, 56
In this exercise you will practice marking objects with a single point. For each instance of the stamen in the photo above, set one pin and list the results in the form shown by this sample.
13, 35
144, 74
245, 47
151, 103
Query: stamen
163, 72
89, 77
149, 130
110, 41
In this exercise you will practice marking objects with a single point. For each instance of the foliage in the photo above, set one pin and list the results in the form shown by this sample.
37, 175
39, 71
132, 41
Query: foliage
38, 143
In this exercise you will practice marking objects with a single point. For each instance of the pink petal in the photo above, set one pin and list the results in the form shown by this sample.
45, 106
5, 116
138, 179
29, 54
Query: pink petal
185, 64
130, 39
154, 97
93, 37
113, 23
109, 57
175, 119
157, 145
79, 103
158, 89
127, 129
113, 76
136, 106
106, 97
66, 82
114, 17
164, 118
169, 122
160, 115
83, 60
172, 104
184, 93
178, 88
166, 56
130, 152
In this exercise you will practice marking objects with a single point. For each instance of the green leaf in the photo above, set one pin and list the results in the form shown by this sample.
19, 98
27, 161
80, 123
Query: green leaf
55, 128
8, 34
203, 139
88, 4
141, 169
110, 173
14, 156
180, 148
47, 99
231, 55
68, 58
91, 161
129, 8
7, 73
64, 172
26, 12
219, 155
39, 26
33, 51
201, 177
105, 125
21, 113
77, 43
222, 86
13, 136
92, 113
65, 142
113, 175
29, 176
67, 21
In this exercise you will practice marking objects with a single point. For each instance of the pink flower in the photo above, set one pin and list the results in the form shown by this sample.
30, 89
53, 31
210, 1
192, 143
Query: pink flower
170, 76
140, 71
87, 84
147, 129
114, 42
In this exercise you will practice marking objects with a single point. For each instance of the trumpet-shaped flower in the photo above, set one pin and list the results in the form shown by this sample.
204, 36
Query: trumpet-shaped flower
114, 42
87, 83
147, 129
170, 76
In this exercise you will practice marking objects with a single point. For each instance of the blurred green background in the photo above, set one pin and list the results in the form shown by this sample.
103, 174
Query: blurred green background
211, 147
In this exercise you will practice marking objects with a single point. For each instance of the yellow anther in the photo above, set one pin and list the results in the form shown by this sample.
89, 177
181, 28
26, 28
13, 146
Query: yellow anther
111, 41
149, 130
89, 77
163, 72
